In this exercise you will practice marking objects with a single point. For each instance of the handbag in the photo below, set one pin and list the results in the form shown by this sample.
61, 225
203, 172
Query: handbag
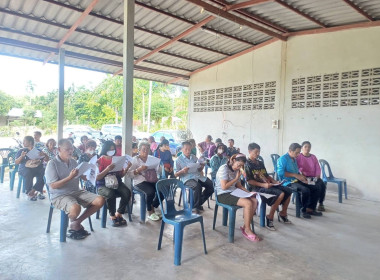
32, 163
151, 176
111, 181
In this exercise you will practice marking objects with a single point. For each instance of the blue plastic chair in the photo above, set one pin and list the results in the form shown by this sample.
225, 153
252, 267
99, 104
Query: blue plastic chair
228, 210
4, 153
274, 158
263, 206
64, 220
179, 219
20, 183
331, 179
12, 176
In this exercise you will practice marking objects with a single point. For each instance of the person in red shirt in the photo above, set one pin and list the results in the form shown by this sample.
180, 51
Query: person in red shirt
118, 141
106, 166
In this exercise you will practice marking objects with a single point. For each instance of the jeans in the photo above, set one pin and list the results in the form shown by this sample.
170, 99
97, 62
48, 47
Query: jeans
309, 195
149, 189
29, 174
111, 194
199, 196
322, 187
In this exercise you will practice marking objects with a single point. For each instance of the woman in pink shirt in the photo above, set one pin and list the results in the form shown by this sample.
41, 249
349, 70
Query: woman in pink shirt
308, 166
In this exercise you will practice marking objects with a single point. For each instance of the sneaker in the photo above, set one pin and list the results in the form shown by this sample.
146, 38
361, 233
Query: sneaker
306, 215
270, 225
154, 217
315, 213
321, 208
32, 198
40, 196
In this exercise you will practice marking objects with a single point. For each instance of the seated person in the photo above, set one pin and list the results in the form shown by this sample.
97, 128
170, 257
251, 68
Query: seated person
287, 169
153, 144
211, 150
259, 181
308, 166
31, 168
50, 149
85, 157
64, 190
144, 181
218, 159
193, 180
118, 142
82, 146
227, 180
205, 146
163, 152
135, 149
77, 152
117, 187
231, 150
193, 149
37, 140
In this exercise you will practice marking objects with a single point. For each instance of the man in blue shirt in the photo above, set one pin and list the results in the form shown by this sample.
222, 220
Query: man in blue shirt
194, 180
287, 169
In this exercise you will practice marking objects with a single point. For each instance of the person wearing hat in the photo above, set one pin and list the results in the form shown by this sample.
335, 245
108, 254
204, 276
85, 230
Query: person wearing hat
163, 153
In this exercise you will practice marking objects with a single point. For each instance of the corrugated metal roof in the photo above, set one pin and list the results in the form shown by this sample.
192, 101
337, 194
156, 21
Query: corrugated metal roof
32, 28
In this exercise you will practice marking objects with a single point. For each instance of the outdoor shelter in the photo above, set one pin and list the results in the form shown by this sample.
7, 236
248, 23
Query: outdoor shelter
250, 66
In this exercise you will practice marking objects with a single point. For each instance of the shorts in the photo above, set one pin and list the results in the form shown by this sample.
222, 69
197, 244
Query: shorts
227, 198
81, 197
275, 190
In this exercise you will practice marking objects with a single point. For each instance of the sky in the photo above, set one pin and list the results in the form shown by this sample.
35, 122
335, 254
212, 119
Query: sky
16, 72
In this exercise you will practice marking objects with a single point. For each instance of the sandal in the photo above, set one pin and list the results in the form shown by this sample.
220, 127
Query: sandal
122, 221
32, 198
250, 237
78, 234
115, 222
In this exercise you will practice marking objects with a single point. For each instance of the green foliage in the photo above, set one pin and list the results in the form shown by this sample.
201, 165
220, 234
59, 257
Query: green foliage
7, 102
103, 105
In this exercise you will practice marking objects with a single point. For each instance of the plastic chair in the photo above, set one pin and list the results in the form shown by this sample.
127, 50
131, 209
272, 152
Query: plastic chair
64, 220
103, 221
4, 153
331, 179
12, 176
142, 203
231, 211
20, 183
180, 198
274, 158
179, 219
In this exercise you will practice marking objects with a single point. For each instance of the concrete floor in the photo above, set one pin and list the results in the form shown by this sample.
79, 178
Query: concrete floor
343, 244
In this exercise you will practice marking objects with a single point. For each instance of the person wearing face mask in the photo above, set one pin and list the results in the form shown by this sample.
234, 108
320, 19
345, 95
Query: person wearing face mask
163, 152
105, 166
228, 180
287, 169
85, 157
218, 160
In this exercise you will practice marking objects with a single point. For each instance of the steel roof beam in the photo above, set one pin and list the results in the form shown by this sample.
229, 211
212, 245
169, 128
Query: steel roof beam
360, 11
268, 23
40, 48
290, 7
221, 13
245, 4
137, 27
73, 27
95, 34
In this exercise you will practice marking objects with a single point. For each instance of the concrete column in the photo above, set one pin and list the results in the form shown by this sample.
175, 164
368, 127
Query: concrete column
61, 94
128, 63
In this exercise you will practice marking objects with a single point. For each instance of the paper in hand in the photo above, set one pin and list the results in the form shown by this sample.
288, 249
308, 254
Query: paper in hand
128, 159
258, 198
34, 154
193, 167
266, 195
119, 162
152, 162
91, 174
82, 168
93, 160
279, 183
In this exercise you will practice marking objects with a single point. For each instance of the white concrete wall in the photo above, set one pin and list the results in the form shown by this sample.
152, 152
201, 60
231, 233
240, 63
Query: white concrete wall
347, 137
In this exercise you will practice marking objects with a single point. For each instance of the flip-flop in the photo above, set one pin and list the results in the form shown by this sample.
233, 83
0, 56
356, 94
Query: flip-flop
122, 221
250, 237
77, 235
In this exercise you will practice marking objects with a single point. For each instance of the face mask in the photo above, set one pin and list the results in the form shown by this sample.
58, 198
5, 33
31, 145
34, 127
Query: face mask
220, 151
91, 152
110, 153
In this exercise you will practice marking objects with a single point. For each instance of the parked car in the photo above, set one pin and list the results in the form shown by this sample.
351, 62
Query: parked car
112, 129
175, 138
77, 131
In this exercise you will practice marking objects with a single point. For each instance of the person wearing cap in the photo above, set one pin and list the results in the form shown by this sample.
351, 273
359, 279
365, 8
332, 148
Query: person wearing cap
211, 150
118, 141
163, 153
218, 159
194, 180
